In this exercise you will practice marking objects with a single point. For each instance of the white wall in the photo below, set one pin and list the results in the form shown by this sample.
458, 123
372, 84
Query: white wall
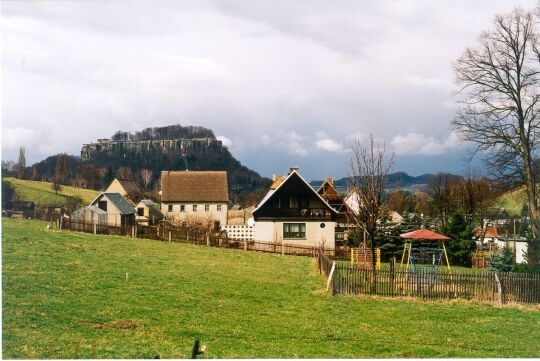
220, 216
265, 231
521, 249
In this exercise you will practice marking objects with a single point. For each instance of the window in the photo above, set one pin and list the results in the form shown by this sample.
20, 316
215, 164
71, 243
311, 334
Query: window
294, 230
206, 207
102, 205
182, 208
219, 207
140, 211
194, 208
169, 208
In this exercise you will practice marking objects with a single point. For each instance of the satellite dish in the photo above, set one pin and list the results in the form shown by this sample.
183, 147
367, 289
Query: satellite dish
251, 222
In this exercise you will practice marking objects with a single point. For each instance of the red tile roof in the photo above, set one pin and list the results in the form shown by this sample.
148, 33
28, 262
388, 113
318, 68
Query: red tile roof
423, 234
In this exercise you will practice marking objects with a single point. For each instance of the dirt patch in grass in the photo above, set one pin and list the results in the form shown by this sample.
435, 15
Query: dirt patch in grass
119, 325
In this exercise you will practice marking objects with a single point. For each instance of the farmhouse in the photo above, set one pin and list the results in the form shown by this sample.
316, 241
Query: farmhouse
148, 213
126, 187
293, 212
119, 212
198, 194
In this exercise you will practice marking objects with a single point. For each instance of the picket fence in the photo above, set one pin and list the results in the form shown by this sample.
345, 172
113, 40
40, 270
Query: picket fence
500, 288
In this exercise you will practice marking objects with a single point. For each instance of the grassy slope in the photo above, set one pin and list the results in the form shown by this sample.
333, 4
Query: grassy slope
513, 200
59, 286
42, 192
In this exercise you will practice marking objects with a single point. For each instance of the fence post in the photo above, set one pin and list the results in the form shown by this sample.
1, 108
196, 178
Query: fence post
245, 244
392, 273
499, 288
208, 240
170, 236
282, 248
95, 228
330, 280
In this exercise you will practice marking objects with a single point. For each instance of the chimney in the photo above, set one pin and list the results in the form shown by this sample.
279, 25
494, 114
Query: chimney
273, 177
295, 168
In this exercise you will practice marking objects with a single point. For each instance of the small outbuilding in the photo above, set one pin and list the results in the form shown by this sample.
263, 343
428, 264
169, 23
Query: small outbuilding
148, 213
120, 212
88, 215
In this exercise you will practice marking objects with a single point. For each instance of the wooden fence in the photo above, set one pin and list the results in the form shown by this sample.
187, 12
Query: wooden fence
477, 285
170, 233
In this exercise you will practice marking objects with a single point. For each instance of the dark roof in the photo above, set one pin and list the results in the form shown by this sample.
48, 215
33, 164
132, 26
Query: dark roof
130, 186
194, 186
120, 202
305, 185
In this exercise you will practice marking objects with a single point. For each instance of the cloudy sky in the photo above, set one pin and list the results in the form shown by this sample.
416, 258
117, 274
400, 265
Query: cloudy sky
282, 83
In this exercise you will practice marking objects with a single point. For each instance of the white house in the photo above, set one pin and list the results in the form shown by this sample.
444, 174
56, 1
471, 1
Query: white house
194, 193
293, 212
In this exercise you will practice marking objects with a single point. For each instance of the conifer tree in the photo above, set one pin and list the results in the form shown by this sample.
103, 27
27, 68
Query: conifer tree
503, 261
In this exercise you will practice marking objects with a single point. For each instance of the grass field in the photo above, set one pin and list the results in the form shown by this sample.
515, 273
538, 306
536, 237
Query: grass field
43, 193
65, 295
513, 200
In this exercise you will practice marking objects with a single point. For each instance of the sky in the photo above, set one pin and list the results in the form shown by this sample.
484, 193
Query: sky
281, 83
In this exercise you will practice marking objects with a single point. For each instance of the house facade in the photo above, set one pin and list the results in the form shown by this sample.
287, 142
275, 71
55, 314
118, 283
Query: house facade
120, 212
293, 212
126, 187
196, 194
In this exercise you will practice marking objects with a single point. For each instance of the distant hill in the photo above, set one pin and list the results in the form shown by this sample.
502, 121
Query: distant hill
174, 147
395, 180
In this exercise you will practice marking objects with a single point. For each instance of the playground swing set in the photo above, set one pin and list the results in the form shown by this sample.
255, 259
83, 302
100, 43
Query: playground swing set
430, 258
422, 262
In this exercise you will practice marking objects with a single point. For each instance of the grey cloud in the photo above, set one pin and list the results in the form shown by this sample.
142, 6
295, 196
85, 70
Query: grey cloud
259, 73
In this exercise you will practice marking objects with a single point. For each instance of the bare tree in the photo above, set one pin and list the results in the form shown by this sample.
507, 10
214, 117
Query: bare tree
499, 101
369, 169
21, 165
146, 176
65, 168
34, 172
438, 189
58, 175
124, 173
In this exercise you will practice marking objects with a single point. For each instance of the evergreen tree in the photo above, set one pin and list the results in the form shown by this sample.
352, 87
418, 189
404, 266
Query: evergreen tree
427, 223
388, 237
8, 194
503, 261
461, 246
21, 165
108, 177
406, 225
524, 225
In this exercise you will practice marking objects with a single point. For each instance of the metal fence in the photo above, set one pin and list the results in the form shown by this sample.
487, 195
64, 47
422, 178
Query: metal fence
477, 285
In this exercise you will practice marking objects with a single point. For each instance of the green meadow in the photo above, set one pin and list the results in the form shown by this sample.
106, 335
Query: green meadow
43, 193
74, 295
